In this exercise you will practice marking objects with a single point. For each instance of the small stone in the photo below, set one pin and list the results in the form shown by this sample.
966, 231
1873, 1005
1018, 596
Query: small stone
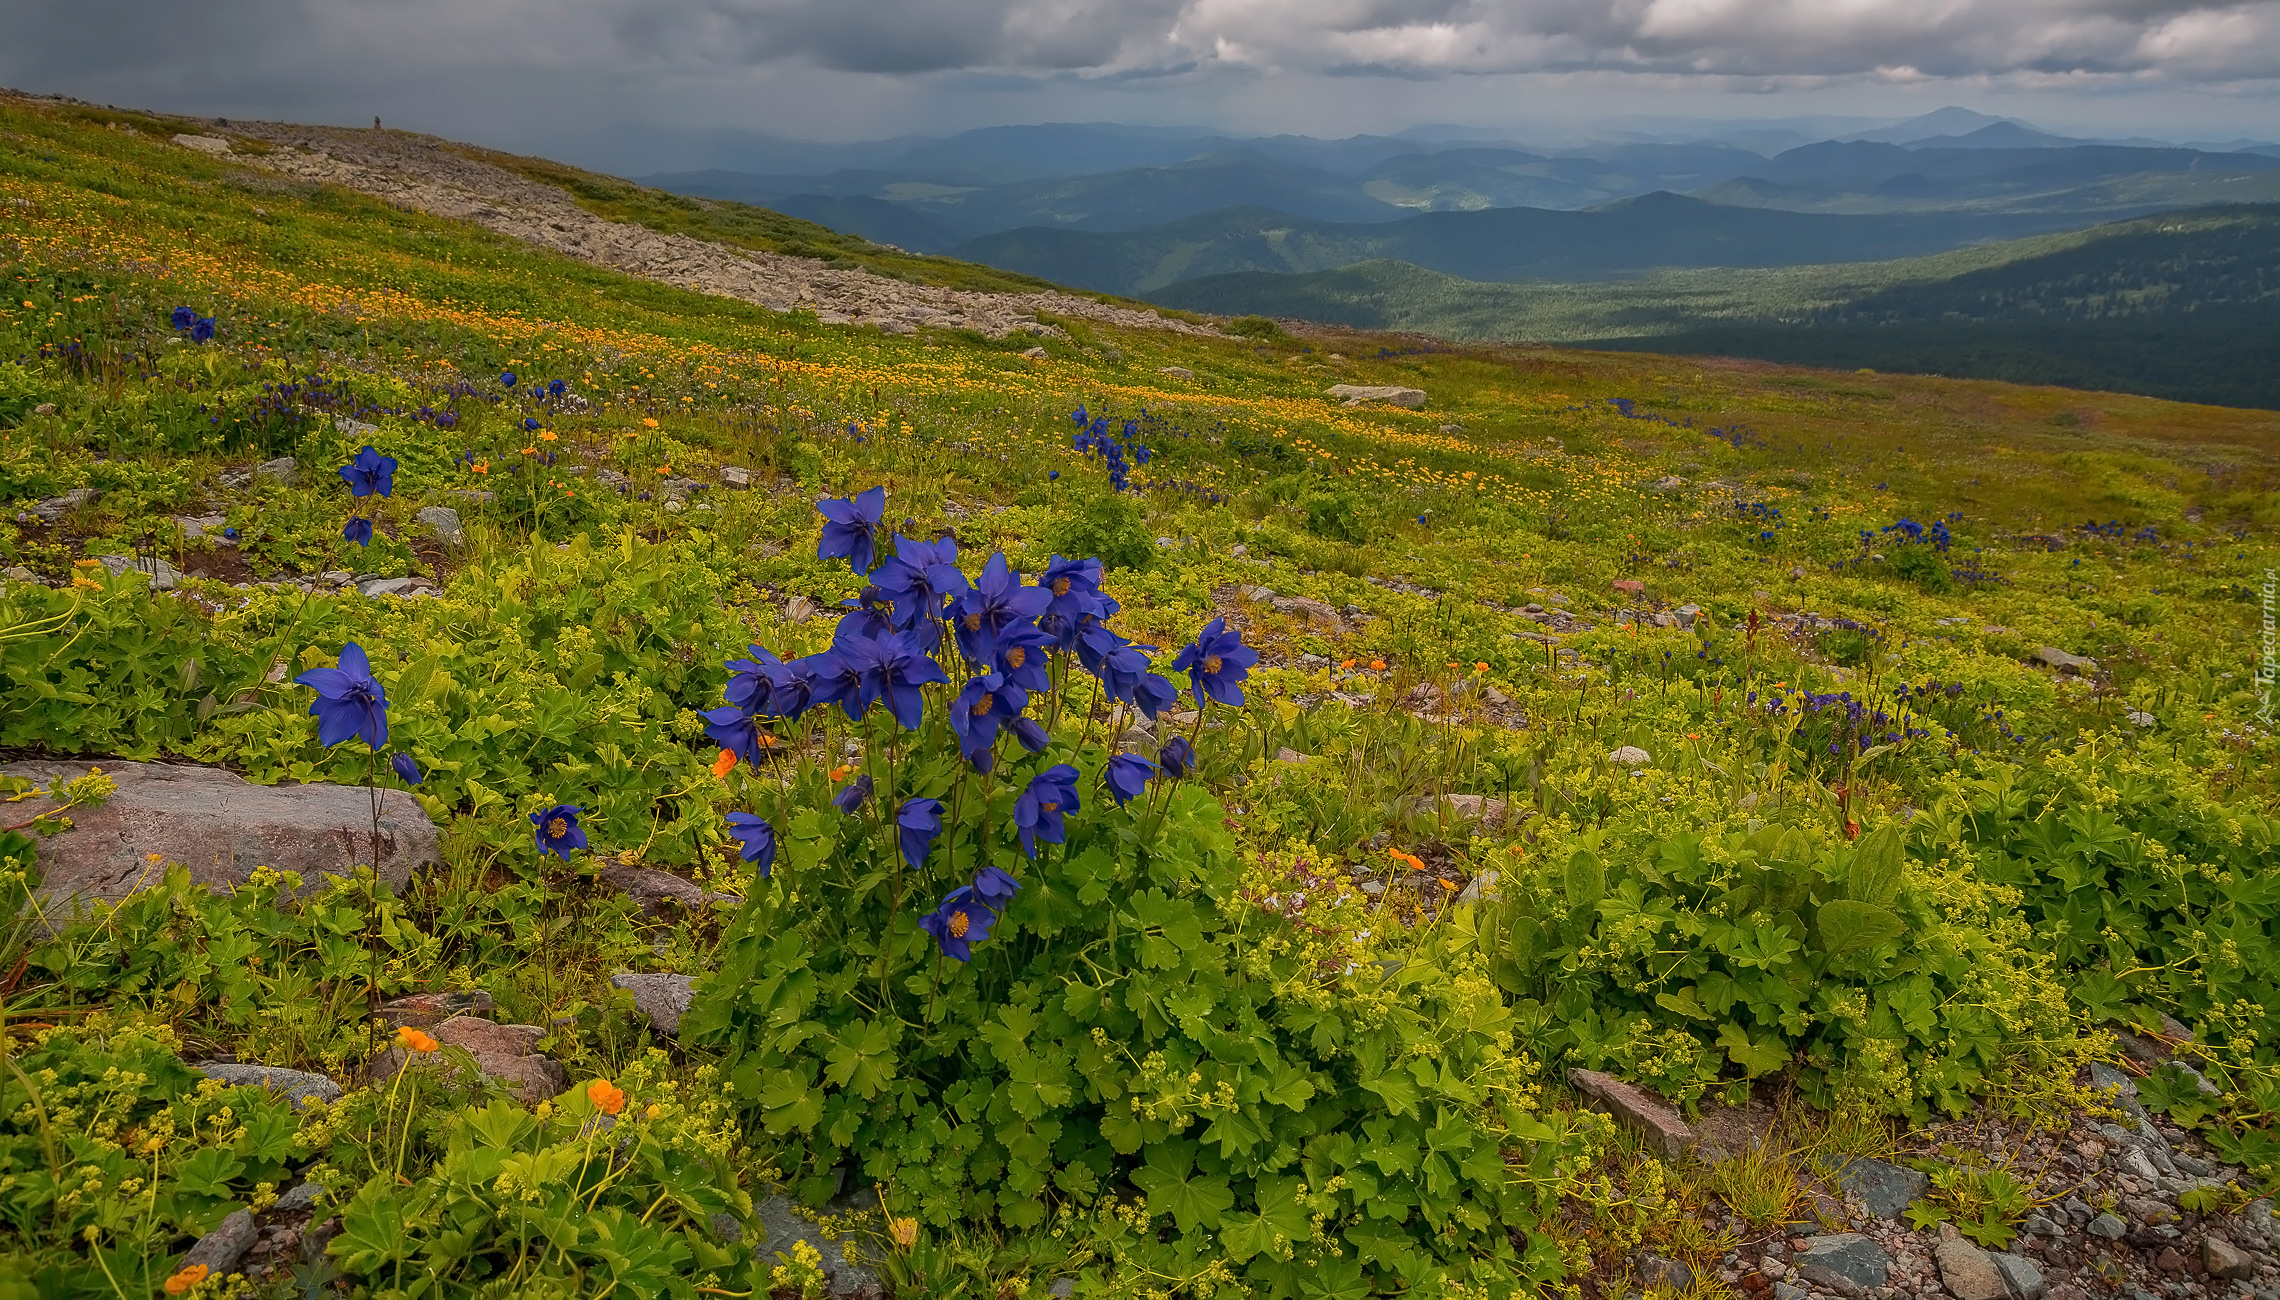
1035, 354
781, 1224
1288, 755
2020, 1275
1659, 1274
1062, 1288
1177, 372
1650, 1115
354, 428
282, 471
221, 1249
661, 996
475, 495
2112, 1080
1630, 756
163, 576
299, 1086
218, 147
1968, 1272
373, 588
507, 1053
427, 1010
2225, 1260
444, 522
44, 408
2109, 1225
1629, 586
303, 1196
658, 893
2168, 1261
1845, 1258
1788, 1291
736, 476
1238, 550
1886, 1189
2067, 663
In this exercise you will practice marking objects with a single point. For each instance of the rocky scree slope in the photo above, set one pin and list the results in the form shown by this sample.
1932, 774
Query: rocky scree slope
436, 177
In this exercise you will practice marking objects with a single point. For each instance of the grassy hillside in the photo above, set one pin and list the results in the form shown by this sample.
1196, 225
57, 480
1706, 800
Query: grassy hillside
2186, 305
1694, 722
1613, 241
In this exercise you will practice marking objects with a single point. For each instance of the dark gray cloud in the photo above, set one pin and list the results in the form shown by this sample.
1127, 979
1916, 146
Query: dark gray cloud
542, 70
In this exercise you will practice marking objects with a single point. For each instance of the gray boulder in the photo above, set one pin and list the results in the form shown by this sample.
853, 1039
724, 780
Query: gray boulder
1968, 1271
281, 471
782, 1224
221, 1249
163, 576
443, 521
299, 1086
1391, 394
506, 1053
217, 825
1847, 1258
659, 995
2021, 1276
2067, 663
1886, 1189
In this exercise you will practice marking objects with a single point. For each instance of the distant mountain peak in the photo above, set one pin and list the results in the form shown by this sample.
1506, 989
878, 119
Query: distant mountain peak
1950, 121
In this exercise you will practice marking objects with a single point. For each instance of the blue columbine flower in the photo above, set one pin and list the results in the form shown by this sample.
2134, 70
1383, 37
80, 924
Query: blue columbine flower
358, 531
184, 318
1030, 733
1123, 669
555, 388
1177, 757
987, 703
370, 472
995, 888
1154, 694
918, 577
839, 680
996, 601
1074, 585
1215, 662
507, 377
1128, 775
1021, 656
850, 529
734, 730
349, 700
855, 795
1037, 814
873, 615
558, 830
758, 839
406, 768
752, 683
917, 822
893, 668
959, 923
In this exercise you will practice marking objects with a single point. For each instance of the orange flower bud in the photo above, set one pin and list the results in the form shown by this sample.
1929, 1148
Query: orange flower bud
607, 1097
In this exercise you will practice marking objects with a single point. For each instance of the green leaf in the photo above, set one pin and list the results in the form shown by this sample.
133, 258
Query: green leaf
862, 1059
789, 1103
1193, 1200
1763, 1056
1848, 926
1876, 866
1586, 879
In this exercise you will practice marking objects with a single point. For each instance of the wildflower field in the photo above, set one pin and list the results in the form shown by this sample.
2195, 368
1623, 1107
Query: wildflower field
1171, 832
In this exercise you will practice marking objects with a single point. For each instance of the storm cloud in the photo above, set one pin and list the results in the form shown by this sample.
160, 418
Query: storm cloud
916, 64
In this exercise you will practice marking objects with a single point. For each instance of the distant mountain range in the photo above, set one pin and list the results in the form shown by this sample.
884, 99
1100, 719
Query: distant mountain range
2184, 305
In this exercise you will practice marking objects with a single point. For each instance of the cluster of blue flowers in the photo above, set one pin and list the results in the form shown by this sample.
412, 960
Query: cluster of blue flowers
1425, 350
1119, 453
1737, 435
199, 328
1006, 634
1936, 536
369, 474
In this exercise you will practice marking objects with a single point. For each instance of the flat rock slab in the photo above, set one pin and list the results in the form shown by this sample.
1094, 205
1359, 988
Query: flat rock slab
1968, 1271
300, 1086
1846, 1258
659, 892
1393, 394
661, 996
427, 1010
221, 1249
507, 1053
1653, 1117
220, 827
1886, 1189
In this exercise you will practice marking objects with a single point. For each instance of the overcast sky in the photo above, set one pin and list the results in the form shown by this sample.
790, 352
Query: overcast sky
566, 77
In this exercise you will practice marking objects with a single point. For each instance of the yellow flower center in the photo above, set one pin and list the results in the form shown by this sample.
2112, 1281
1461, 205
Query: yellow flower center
959, 924
973, 622
1017, 656
558, 827
1211, 664
1060, 586
984, 704
1048, 807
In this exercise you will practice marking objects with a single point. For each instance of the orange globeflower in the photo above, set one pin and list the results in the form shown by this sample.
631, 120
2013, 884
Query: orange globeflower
725, 764
1377, 665
651, 423
607, 1097
415, 1040
189, 1277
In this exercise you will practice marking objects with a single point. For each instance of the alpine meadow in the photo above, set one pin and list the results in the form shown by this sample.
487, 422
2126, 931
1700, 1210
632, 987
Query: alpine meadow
561, 738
